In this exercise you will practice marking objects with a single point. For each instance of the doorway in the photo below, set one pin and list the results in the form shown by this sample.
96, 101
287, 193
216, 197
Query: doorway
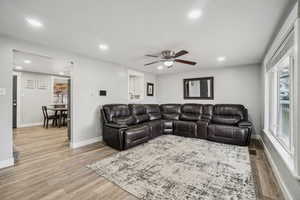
41, 103
15, 100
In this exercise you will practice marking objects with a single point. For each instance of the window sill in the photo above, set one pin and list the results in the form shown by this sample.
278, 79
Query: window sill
287, 157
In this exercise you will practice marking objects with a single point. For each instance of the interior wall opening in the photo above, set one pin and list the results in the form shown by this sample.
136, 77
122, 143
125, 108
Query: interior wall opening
41, 103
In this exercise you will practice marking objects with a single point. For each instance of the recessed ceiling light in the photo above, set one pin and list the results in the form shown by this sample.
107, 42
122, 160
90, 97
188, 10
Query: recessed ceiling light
19, 67
160, 67
61, 73
221, 58
27, 61
103, 47
195, 14
169, 63
34, 22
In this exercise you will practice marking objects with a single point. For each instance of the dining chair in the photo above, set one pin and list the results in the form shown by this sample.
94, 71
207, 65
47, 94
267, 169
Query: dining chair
48, 117
64, 117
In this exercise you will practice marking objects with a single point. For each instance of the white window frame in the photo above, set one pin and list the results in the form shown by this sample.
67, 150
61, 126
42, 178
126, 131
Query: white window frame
291, 23
288, 155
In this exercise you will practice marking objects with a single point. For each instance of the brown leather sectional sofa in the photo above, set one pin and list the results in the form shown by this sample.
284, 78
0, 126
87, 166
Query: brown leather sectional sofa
125, 126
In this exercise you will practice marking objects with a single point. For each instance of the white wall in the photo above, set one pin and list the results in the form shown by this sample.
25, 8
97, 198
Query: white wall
6, 157
234, 85
88, 77
32, 100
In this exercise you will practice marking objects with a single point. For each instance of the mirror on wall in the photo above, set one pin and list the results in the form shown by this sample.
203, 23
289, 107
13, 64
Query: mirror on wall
199, 88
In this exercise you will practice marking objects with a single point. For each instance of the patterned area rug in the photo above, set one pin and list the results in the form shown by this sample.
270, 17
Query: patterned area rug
171, 167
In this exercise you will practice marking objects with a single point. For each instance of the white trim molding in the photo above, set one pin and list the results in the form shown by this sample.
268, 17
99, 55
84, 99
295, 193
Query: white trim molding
287, 158
286, 194
30, 125
7, 163
75, 145
255, 136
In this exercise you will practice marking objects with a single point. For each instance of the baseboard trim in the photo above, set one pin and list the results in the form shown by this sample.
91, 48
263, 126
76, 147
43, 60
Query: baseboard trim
30, 125
75, 145
283, 187
7, 163
255, 136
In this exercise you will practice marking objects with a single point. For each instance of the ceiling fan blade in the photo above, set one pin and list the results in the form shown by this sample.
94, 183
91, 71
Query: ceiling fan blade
185, 62
152, 63
180, 53
153, 56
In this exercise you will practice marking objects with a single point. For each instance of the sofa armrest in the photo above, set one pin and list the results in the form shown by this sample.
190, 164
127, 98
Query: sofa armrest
113, 135
118, 126
249, 126
202, 127
245, 124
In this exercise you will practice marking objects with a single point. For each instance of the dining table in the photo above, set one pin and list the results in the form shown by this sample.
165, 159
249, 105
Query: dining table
58, 111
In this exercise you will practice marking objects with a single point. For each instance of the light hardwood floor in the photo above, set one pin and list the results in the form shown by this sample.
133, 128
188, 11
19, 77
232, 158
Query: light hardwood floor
49, 169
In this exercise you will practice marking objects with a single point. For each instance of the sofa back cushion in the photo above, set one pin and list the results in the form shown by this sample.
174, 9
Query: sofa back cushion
170, 111
118, 113
191, 112
207, 112
139, 113
153, 111
228, 114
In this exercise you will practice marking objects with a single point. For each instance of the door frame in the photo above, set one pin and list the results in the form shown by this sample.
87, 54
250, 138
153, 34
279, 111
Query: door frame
70, 63
18, 74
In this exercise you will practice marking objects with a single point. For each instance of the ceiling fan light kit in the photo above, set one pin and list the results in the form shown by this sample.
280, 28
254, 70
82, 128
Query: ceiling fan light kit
169, 57
169, 63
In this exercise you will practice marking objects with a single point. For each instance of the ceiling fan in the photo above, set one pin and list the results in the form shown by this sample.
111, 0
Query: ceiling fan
168, 57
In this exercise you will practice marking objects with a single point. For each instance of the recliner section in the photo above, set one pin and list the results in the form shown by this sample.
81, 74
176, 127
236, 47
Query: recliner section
230, 125
125, 126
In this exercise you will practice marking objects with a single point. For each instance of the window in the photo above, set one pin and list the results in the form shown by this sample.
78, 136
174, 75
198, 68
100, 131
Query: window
284, 104
280, 93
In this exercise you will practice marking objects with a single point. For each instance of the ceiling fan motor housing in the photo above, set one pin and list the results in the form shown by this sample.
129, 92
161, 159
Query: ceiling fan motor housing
167, 54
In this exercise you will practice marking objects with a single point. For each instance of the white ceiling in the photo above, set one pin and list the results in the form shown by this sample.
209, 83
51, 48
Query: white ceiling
40, 64
237, 29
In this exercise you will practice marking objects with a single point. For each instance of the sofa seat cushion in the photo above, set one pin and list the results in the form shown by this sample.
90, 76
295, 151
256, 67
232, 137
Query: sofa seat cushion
226, 119
228, 134
185, 128
136, 135
125, 120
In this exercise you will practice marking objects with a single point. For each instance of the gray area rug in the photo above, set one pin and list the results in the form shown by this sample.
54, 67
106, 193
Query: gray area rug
171, 167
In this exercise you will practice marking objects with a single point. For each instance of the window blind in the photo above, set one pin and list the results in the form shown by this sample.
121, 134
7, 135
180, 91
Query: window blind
283, 48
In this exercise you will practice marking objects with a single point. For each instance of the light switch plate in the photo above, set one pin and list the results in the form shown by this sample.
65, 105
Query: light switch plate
2, 91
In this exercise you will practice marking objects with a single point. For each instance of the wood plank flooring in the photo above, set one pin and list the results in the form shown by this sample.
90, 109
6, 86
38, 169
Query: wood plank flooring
48, 169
